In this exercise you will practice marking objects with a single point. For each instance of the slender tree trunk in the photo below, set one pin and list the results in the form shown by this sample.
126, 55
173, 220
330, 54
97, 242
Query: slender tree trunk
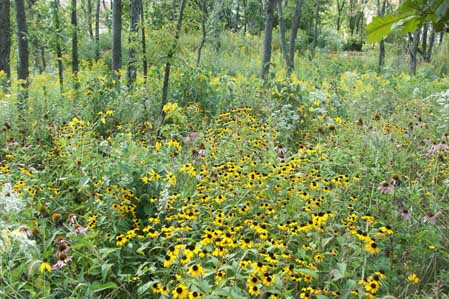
268, 37
144, 46
431, 42
97, 31
58, 45
293, 35
414, 52
282, 32
381, 61
23, 64
245, 19
5, 39
171, 53
424, 40
133, 42
440, 41
203, 5
116, 40
315, 28
75, 61
89, 19
340, 7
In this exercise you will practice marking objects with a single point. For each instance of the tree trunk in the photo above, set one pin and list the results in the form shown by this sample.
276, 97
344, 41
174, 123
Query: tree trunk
171, 53
315, 28
89, 19
5, 39
245, 19
293, 35
58, 45
431, 42
97, 31
203, 8
22, 43
282, 33
340, 7
268, 37
133, 42
116, 40
424, 40
381, 61
440, 41
414, 52
144, 46
75, 61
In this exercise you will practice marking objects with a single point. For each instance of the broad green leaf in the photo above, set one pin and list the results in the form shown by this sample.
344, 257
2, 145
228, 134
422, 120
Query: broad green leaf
381, 27
442, 11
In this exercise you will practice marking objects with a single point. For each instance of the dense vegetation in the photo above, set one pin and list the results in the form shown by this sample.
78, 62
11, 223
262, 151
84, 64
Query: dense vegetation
318, 173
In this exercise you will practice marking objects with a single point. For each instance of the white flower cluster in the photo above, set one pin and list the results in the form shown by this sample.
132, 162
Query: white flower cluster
17, 240
10, 203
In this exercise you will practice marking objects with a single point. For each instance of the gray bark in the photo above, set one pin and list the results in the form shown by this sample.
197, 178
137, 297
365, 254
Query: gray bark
75, 60
414, 52
203, 7
5, 38
293, 35
268, 37
428, 57
315, 27
144, 46
381, 12
23, 64
133, 42
171, 53
116, 39
424, 39
97, 31
89, 19
58, 45
340, 7
282, 32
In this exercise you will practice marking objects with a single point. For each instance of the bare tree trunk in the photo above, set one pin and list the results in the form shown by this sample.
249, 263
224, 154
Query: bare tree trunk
203, 8
424, 40
293, 35
245, 19
340, 7
58, 45
133, 42
414, 52
268, 37
97, 31
315, 28
171, 53
75, 61
381, 61
23, 64
282, 33
5, 39
144, 46
89, 19
440, 41
116, 41
428, 57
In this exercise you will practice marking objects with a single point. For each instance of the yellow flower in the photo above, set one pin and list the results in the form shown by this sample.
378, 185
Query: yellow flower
413, 278
180, 292
44, 267
196, 270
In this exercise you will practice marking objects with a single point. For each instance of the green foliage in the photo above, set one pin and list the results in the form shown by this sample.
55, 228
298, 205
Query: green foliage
411, 15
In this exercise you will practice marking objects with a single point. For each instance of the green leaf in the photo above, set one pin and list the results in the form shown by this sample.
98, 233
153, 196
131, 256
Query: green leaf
104, 286
442, 11
381, 27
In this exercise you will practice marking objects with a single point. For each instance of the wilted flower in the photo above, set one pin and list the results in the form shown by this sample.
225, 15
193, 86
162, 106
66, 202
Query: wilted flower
386, 187
435, 148
405, 213
79, 229
431, 218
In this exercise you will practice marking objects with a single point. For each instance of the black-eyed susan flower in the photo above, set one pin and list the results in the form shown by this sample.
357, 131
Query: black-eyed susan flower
196, 270
180, 292
45, 266
121, 240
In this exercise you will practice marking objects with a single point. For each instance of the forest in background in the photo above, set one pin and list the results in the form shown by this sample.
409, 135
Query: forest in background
224, 149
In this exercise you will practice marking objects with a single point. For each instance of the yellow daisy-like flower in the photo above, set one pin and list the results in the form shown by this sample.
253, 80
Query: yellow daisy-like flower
196, 270
180, 292
44, 267
413, 278
372, 247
